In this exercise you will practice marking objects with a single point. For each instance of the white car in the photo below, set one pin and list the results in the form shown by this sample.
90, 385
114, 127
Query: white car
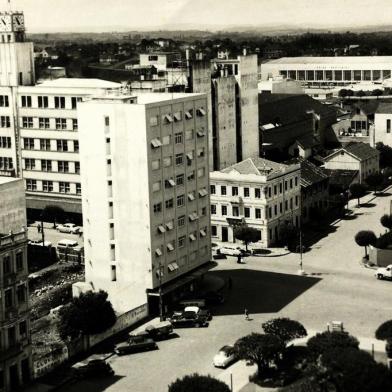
40, 243
384, 272
68, 228
226, 250
224, 357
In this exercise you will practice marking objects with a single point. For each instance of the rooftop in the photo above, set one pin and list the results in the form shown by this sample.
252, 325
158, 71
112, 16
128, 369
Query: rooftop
310, 173
79, 83
146, 98
360, 60
6, 180
361, 151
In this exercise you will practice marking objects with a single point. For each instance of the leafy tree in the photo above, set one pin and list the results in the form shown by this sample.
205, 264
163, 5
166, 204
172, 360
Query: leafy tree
343, 93
53, 213
246, 234
285, 328
198, 383
374, 181
377, 92
325, 341
365, 238
353, 370
90, 313
360, 93
259, 349
384, 331
357, 191
386, 221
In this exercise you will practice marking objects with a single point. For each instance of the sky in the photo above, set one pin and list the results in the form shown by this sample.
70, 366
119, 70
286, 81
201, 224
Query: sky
109, 15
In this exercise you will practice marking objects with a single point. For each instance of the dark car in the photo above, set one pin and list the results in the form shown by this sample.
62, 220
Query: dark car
93, 368
160, 331
136, 344
188, 319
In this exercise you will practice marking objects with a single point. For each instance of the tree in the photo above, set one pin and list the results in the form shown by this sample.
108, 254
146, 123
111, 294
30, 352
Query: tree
375, 181
53, 213
377, 92
285, 329
386, 221
246, 234
90, 313
360, 93
325, 341
357, 191
384, 331
365, 238
259, 349
197, 383
343, 93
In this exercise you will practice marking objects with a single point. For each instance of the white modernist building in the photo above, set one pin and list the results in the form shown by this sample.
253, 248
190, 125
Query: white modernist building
261, 193
327, 71
145, 194
382, 130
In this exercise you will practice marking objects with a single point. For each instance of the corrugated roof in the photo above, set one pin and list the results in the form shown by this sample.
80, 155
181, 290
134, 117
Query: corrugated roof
258, 166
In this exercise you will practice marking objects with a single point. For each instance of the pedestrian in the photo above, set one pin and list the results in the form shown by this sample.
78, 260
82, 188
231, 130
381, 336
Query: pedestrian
39, 228
239, 259
246, 314
80, 233
230, 284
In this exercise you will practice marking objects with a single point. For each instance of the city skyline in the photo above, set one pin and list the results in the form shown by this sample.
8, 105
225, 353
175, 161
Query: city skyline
122, 15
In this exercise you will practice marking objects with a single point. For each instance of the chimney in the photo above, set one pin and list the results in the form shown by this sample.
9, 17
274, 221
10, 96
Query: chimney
244, 51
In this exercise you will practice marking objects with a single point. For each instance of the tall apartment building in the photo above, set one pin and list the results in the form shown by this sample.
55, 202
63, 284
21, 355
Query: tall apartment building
15, 342
263, 194
146, 215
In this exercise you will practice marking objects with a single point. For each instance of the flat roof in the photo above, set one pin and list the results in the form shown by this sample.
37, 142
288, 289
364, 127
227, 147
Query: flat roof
6, 179
332, 60
79, 83
146, 98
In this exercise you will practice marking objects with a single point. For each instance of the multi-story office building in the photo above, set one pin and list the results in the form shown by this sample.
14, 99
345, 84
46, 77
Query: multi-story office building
15, 342
261, 193
48, 128
146, 215
327, 71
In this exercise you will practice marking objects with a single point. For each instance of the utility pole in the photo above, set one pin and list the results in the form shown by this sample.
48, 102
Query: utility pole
42, 230
301, 270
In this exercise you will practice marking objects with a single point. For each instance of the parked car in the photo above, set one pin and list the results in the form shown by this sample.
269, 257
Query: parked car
188, 320
199, 311
93, 368
384, 272
65, 243
68, 228
160, 331
224, 357
228, 251
40, 243
136, 344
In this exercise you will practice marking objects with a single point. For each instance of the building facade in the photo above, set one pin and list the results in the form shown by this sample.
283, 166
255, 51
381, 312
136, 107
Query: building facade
327, 71
261, 193
382, 125
15, 341
146, 217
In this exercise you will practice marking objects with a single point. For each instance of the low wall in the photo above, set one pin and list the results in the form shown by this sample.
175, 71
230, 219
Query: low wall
380, 257
49, 361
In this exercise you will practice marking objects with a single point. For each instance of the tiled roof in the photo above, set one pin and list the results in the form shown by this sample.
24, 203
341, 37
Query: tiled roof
342, 178
310, 173
307, 141
258, 166
361, 150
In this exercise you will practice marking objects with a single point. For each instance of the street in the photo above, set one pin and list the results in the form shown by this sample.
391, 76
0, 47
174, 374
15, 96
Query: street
336, 287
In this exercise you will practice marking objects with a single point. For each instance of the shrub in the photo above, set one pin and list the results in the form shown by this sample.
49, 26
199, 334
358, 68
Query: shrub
198, 383
384, 331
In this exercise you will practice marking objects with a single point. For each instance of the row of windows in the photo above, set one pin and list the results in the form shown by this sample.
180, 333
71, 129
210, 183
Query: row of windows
180, 202
21, 296
6, 163
53, 186
48, 123
9, 267
178, 138
46, 165
5, 142
182, 240
42, 101
178, 159
4, 101
5, 121
245, 192
45, 144
169, 118
12, 340
337, 75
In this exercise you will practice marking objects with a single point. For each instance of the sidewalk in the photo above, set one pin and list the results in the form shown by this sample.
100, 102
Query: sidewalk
238, 374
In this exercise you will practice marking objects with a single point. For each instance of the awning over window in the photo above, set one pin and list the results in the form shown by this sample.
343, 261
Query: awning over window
156, 143
192, 237
191, 196
193, 216
188, 115
189, 156
158, 252
171, 182
203, 192
170, 246
177, 117
161, 229
201, 133
169, 225
201, 112
168, 118
203, 233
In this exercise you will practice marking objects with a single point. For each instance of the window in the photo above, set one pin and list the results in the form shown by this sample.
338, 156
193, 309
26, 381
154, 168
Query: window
179, 159
180, 200
62, 145
153, 57
247, 212
7, 267
388, 126
285, 185
47, 186
21, 293
201, 172
76, 146
224, 210
167, 161
169, 183
29, 164
213, 209
78, 188
276, 209
74, 101
181, 241
189, 114
201, 152
19, 261
61, 123
59, 102
44, 144
236, 211
246, 192
157, 207
258, 213
201, 112
189, 157
156, 186
170, 246
74, 124
296, 181
296, 201
31, 185
62, 166
178, 138
44, 123
181, 221
280, 207
43, 102
5, 122
26, 101
113, 274
177, 116
6, 163
286, 205
8, 298
106, 121
4, 101
214, 231
180, 179
169, 203
223, 190
23, 329
153, 121
156, 164
212, 189
28, 143
166, 140
5, 142
257, 193
189, 135
27, 122
191, 175
291, 183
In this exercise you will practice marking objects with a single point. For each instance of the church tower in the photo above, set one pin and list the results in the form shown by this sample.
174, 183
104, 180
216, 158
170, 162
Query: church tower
16, 55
